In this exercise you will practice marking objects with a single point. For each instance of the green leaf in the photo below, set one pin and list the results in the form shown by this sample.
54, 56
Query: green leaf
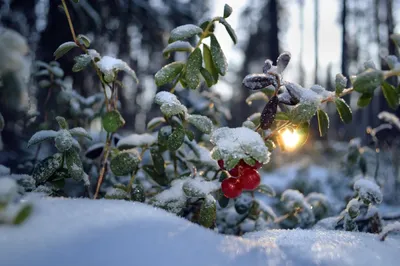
281, 116
178, 46
207, 77
76, 1
163, 135
208, 212
189, 134
368, 81
303, 131
64, 48
124, 163
112, 121
2, 123
270, 145
362, 163
218, 56
267, 190
184, 32
41, 136
23, 214
83, 39
341, 83
44, 83
364, 100
229, 29
323, 122
303, 112
46, 168
209, 63
80, 132
222, 200
57, 71
62, 122
74, 165
175, 140
390, 95
202, 123
168, 73
343, 110
193, 67
158, 160
81, 62
227, 10
159, 179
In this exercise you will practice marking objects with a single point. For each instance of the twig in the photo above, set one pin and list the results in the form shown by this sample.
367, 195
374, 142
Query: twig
103, 167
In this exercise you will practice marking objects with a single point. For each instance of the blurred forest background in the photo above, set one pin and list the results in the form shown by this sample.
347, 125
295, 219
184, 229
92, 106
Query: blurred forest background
324, 37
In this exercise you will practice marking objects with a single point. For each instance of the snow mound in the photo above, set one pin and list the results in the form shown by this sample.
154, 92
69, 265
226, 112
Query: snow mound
67, 232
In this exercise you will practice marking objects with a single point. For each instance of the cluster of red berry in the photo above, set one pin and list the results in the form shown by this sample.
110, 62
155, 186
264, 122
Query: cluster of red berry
243, 177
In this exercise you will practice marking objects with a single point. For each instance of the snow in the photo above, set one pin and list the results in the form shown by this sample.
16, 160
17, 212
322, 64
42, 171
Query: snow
170, 105
8, 189
390, 118
137, 140
392, 227
239, 143
368, 190
4, 170
173, 198
66, 232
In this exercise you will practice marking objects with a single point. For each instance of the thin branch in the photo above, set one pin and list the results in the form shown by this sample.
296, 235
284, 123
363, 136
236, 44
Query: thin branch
104, 163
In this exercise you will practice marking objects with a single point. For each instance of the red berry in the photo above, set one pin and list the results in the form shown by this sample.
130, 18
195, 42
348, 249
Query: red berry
221, 164
258, 165
250, 179
234, 171
231, 187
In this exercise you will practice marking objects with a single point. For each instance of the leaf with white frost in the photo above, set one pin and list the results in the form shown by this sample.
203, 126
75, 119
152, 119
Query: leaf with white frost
109, 66
168, 73
79, 132
41, 136
202, 123
178, 46
136, 140
184, 32
64, 48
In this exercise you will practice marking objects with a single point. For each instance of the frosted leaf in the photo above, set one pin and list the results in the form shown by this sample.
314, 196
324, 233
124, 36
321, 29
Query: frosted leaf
109, 66
41, 136
44, 190
294, 199
93, 54
233, 144
178, 46
170, 105
267, 210
321, 91
79, 132
202, 123
389, 228
8, 190
390, 118
353, 208
172, 199
368, 191
46, 168
282, 61
259, 95
259, 81
4, 170
136, 140
208, 211
243, 203
63, 140
349, 224
116, 193
199, 188
25, 181
74, 165
184, 32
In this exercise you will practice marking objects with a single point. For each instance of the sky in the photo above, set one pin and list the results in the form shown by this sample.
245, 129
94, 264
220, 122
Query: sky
329, 38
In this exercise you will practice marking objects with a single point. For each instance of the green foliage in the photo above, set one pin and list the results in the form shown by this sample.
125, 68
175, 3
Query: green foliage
112, 121
323, 122
344, 110
64, 48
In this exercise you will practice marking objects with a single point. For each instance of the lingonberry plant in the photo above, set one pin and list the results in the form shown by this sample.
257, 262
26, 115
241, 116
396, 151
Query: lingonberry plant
185, 163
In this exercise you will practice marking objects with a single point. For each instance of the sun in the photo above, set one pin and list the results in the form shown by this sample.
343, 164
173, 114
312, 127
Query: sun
290, 139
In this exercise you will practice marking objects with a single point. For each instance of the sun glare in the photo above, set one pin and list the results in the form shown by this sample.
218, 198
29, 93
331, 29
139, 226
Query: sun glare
290, 139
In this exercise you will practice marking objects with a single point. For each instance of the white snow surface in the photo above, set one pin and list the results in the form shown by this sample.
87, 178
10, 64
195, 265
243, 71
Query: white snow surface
67, 232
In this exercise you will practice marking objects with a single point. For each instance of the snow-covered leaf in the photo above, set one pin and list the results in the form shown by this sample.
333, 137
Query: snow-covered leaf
46, 168
353, 208
259, 95
136, 140
41, 136
62, 122
193, 67
218, 56
184, 32
283, 61
154, 122
390, 118
109, 66
259, 81
178, 46
116, 193
125, 163
172, 199
63, 140
83, 39
199, 188
74, 165
168, 73
368, 191
202, 123
340, 83
64, 48
239, 143
81, 62
138, 193
158, 160
80, 132
243, 203
170, 105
